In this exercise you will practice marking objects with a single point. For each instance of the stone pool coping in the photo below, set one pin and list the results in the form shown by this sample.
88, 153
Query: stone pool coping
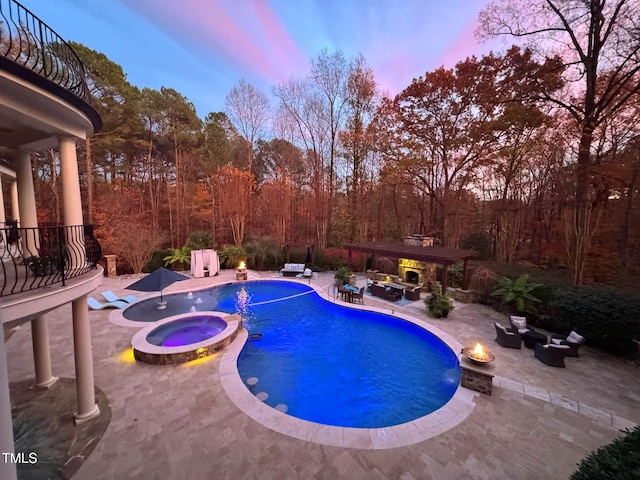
159, 355
448, 416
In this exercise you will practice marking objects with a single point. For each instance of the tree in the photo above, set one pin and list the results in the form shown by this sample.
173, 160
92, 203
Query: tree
356, 139
436, 132
248, 109
235, 188
116, 100
330, 73
599, 44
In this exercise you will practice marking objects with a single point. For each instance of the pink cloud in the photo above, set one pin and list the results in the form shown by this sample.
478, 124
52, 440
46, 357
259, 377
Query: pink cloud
283, 50
462, 47
209, 26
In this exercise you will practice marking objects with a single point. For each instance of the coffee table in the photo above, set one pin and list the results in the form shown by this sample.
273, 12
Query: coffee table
532, 337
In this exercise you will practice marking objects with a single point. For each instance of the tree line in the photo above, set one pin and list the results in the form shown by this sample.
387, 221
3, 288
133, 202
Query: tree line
530, 154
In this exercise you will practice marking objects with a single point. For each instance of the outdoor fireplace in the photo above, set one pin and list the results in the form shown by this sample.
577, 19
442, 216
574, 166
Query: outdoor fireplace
412, 276
414, 271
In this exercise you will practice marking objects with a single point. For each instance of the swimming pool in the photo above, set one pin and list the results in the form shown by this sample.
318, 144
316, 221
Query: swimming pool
332, 364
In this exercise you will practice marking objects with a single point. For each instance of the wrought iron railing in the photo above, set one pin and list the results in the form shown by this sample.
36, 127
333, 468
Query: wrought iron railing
29, 42
33, 258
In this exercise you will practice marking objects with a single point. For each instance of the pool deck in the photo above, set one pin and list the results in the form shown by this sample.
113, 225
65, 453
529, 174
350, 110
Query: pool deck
178, 421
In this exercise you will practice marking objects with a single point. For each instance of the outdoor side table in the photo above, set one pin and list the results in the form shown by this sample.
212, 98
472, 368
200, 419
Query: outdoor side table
532, 337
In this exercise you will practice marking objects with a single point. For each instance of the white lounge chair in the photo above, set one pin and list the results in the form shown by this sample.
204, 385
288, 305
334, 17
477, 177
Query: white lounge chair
96, 305
109, 296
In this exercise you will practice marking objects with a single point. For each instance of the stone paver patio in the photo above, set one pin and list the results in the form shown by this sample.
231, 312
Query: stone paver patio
177, 422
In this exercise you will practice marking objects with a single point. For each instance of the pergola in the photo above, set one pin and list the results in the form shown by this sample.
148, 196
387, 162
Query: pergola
444, 256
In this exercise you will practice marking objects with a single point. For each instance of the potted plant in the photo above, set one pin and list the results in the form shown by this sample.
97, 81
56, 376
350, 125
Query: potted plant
342, 276
40, 266
439, 304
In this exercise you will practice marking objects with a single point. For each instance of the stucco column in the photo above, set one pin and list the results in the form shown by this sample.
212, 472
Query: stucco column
15, 212
7, 469
26, 203
41, 352
72, 202
85, 390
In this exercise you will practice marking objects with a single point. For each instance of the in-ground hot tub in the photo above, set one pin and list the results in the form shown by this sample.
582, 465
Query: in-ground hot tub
185, 337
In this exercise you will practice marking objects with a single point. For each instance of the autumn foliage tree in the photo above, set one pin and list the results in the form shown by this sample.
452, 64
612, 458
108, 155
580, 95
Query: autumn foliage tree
235, 187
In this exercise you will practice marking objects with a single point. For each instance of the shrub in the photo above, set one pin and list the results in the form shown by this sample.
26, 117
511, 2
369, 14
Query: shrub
231, 255
439, 304
386, 265
618, 460
342, 275
263, 251
482, 281
156, 261
517, 293
178, 256
606, 316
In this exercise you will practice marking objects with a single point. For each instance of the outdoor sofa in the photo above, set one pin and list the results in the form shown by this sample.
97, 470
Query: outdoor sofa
387, 293
292, 269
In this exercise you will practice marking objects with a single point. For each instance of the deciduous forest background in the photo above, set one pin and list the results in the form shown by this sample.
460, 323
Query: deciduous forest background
529, 155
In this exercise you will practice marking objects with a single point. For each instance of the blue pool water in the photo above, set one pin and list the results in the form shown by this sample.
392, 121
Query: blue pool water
186, 331
331, 364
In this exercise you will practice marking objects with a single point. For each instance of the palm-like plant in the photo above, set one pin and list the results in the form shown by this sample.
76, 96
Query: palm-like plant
517, 292
261, 250
181, 256
230, 255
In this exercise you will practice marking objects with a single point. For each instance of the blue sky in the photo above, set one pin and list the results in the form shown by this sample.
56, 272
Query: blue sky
202, 48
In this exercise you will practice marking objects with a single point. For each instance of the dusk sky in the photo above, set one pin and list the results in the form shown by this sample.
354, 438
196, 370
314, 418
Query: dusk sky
202, 48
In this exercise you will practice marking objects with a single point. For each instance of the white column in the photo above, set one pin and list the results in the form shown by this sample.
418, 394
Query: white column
85, 390
7, 469
15, 212
72, 202
26, 202
71, 199
41, 352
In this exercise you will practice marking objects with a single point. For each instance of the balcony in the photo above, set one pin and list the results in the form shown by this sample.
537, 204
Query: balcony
33, 258
43, 88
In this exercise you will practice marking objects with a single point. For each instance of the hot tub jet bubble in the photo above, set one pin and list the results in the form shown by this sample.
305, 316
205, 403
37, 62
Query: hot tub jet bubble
252, 381
281, 407
262, 396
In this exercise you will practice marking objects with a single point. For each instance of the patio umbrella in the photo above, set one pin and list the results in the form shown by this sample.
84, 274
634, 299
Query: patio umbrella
157, 281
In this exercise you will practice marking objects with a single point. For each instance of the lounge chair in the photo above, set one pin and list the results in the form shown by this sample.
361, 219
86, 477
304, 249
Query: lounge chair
573, 341
519, 325
551, 354
109, 296
507, 338
96, 305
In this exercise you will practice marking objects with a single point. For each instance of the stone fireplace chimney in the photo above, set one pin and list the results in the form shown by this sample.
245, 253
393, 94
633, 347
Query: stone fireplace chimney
413, 271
